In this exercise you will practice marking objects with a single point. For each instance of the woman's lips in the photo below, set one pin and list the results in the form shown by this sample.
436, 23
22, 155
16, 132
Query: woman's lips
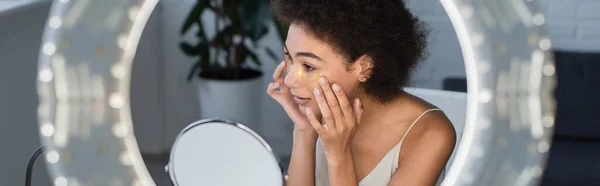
301, 101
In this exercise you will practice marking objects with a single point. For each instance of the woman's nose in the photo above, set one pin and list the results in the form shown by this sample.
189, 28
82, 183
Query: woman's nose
291, 78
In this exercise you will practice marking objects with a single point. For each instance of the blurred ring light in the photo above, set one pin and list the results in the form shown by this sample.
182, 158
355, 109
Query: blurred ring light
510, 109
84, 78
83, 86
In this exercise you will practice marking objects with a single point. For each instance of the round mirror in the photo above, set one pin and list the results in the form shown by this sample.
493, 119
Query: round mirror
85, 119
218, 152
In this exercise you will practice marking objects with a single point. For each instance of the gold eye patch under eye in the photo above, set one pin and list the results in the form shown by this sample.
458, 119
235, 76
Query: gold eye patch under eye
308, 79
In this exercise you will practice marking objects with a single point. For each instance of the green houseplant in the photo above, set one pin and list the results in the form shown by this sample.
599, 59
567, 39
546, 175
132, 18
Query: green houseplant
227, 64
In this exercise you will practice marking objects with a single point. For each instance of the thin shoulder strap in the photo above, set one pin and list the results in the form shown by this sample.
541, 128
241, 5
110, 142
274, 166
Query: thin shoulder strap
399, 145
413, 124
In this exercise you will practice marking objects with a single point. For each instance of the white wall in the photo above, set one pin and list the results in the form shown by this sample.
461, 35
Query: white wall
20, 38
572, 25
445, 57
180, 97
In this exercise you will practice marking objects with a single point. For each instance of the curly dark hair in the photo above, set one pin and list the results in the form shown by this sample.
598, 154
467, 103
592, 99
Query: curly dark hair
384, 30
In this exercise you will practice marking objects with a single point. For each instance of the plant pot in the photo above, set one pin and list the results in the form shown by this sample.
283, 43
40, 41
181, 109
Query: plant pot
236, 100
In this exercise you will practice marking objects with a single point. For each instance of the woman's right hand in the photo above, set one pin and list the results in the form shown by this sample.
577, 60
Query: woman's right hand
284, 97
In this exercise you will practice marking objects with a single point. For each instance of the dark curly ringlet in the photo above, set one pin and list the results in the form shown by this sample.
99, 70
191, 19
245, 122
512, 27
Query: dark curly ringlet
384, 30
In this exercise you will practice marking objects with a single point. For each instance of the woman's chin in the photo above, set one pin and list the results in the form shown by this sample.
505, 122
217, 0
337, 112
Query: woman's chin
302, 108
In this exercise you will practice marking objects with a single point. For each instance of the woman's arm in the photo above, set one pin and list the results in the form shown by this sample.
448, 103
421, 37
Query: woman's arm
426, 152
341, 170
301, 171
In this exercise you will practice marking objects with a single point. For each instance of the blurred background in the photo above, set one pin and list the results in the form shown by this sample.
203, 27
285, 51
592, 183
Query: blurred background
164, 101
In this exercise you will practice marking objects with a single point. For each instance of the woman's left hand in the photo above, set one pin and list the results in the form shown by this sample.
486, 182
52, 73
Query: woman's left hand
340, 116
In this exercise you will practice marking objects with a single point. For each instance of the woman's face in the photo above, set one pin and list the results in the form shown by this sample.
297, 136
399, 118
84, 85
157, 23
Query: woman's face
307, 59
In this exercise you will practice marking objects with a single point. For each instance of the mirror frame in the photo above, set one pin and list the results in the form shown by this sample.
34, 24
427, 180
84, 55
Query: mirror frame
510, 110
240, 126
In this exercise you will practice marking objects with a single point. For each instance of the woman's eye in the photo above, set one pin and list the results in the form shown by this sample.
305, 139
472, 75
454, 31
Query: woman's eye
308, 68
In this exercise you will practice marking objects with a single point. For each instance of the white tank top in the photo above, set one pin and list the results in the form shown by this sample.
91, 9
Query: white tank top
379, 176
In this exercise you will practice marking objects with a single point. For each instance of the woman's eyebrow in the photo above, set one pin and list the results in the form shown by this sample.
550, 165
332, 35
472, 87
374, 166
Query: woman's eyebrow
302, 54
309, 55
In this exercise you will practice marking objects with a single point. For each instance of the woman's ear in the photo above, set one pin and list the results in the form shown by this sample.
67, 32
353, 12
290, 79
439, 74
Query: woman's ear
365, 67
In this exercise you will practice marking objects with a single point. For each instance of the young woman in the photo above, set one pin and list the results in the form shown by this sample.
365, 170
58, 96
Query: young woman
346, 62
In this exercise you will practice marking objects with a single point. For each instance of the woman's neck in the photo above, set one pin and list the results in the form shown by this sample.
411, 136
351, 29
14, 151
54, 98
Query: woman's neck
377, 110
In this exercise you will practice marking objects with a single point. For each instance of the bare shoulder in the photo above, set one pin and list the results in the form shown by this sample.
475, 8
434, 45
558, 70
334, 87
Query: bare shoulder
432, 133
426, 150
426, 147
436, 129
433, 124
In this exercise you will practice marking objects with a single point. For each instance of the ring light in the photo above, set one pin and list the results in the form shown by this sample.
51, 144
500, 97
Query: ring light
84, 77
83, 85
510, 107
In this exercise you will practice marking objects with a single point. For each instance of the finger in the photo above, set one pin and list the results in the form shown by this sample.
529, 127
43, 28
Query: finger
344, 103
272, 88
278, 71
325, 111
358, 110
314, 122
333, 104
280, 78
277, 90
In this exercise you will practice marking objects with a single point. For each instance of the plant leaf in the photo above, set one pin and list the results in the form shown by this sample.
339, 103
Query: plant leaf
219, 39
193, 70
258, 31
227, 6
253, 56
282, 30
272, 54
194, 16
203, 49
254, 15
205, 61
188, 49
240, 54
